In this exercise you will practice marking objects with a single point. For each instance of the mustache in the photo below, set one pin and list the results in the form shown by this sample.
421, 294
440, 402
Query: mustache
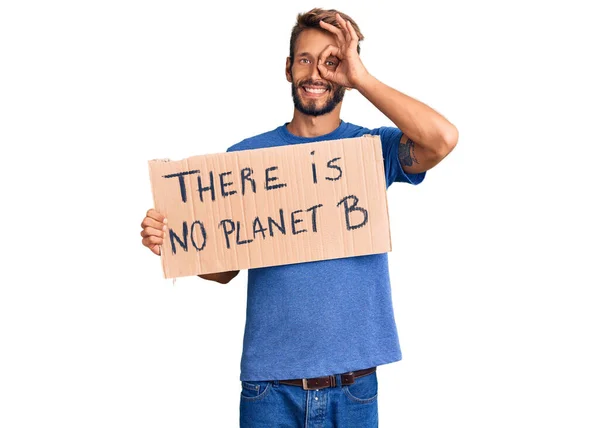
311, 82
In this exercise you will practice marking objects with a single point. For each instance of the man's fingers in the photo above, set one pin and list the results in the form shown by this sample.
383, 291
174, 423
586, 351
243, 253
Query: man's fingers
343, 23
329, 51
154, 227
149, 241
325, 71
150, 231
150, 222
335, 30
353, 35
155, 215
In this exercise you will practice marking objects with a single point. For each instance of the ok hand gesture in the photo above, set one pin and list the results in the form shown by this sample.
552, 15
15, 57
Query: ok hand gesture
341, 63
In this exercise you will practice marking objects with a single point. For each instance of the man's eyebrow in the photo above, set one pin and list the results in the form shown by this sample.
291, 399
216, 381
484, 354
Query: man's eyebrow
304, 54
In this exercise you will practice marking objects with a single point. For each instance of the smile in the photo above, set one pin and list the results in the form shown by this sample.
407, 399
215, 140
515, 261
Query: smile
314, 90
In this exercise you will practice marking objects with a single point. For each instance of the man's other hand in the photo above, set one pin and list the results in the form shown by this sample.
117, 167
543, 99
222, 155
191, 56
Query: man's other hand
154, 228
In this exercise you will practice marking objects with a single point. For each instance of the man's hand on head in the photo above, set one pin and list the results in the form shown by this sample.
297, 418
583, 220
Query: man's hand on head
341, 63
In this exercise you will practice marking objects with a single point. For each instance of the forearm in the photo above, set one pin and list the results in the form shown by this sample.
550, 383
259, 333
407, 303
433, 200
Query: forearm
220, 277
424, 126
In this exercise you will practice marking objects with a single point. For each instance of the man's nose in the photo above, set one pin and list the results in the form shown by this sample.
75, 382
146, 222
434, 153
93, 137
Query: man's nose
314, 72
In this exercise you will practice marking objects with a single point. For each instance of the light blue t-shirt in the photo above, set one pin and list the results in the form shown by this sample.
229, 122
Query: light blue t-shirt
326, 317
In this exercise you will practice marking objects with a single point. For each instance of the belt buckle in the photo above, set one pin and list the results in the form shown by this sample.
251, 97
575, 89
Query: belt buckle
305, 385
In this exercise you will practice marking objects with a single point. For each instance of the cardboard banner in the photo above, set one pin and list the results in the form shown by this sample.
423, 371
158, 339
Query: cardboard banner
273, 206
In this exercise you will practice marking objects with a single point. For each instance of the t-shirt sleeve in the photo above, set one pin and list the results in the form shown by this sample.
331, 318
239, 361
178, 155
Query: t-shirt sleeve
237, 147
390, 140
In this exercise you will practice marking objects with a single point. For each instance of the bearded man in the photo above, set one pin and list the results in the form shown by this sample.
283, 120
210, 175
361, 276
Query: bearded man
315, 332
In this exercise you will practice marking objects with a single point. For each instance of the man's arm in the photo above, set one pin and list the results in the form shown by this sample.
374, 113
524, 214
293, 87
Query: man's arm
427, 136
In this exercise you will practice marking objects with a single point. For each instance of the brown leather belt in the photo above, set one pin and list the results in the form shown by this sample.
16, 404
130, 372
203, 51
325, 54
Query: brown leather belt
328, 381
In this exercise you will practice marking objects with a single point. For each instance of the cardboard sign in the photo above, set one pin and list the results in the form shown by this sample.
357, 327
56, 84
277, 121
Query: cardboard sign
272, 206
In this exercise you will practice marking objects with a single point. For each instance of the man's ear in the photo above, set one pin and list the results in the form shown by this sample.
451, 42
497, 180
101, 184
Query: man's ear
288, 69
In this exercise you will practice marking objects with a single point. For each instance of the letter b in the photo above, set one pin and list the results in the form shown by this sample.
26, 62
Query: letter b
349, 208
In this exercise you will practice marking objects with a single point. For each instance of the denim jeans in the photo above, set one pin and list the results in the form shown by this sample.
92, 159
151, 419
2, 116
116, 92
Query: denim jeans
270, 404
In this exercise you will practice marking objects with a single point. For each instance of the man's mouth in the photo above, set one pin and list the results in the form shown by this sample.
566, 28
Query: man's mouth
314, 89
311, 91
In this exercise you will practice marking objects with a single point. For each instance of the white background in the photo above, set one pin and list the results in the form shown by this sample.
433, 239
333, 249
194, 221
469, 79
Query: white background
494, 265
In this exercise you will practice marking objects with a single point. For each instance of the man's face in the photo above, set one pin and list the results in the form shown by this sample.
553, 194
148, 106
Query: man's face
312, 94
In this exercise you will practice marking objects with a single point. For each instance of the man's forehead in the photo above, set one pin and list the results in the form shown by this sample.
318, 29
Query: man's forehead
312, 41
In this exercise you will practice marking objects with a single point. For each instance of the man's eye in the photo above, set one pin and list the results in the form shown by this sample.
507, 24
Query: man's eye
330, 63
304, 61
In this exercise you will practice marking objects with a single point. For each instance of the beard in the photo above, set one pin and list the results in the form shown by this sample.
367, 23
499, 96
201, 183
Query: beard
310, 107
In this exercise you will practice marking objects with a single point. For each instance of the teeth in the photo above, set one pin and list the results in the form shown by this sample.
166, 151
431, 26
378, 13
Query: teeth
315, 91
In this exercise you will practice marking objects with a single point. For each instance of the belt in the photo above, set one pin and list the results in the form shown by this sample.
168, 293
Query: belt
328, 381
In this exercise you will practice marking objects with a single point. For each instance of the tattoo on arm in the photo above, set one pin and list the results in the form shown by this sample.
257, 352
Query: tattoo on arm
406, 153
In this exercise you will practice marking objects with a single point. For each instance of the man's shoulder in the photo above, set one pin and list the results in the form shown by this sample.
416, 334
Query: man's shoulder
266, 139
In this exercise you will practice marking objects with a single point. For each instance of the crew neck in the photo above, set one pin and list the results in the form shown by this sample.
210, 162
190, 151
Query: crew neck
294, 139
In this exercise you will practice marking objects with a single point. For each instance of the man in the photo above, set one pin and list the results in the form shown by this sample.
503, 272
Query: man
316, 331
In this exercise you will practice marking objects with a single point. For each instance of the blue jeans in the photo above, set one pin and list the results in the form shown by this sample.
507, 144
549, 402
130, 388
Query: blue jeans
270, 404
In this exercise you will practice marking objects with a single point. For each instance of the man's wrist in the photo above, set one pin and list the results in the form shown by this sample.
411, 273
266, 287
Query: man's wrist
366, 84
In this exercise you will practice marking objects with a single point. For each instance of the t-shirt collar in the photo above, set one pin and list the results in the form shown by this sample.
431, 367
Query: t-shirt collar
294, 139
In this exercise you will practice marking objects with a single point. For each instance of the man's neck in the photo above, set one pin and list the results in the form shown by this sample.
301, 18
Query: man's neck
310, 126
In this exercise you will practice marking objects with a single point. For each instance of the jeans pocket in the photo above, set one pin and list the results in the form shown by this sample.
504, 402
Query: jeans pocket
255, 390
363, 390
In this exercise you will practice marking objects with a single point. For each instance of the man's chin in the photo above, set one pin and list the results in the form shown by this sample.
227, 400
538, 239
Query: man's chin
316, 107
313, 112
